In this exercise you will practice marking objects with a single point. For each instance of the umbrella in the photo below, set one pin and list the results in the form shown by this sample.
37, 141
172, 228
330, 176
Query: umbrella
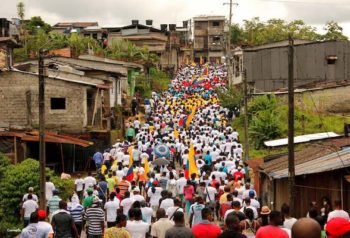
160, 162
161, 151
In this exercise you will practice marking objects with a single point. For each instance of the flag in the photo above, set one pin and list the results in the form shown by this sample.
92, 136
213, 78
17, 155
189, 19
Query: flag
176, 133
146, 167
130, 174
192, 167
130, 150
190, 117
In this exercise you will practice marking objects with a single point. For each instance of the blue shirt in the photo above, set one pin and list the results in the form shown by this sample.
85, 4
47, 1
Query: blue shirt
102, 192
98, 158
208, 159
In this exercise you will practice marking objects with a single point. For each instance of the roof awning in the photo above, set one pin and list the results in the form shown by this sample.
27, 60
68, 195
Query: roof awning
330, 162
49, 137
301, 139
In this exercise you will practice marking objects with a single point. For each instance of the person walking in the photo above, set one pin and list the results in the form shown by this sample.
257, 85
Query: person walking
179, 230
53, 204
77, 212
111, 208
95, 217
119, 230
206, 228
160, 227
273, 227
63, 223
233, 229
28, 207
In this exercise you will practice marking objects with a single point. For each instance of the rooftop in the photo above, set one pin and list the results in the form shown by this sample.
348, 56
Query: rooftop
75, 24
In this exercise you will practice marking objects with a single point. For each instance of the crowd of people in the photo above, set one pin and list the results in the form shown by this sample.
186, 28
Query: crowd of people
179, 173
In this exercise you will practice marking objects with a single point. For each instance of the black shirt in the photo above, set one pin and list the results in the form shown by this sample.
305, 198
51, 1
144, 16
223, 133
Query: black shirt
231, 234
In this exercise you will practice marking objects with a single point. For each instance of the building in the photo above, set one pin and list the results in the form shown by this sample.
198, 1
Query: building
314, 62
321, 170
170, 43
209, 38
69, 27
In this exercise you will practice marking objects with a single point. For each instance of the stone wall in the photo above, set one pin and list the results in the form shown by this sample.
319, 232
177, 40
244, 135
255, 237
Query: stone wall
19, 103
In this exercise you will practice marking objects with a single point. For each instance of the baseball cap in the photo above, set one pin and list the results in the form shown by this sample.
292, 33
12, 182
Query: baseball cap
42, 214
337, 227
251, 193
136, 189
95, 199
30, 189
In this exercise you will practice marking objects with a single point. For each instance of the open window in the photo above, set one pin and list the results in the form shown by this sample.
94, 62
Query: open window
216, 24
58, 104
331, 59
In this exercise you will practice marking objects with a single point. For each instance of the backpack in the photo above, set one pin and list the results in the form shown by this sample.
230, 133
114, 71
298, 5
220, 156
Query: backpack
249, 228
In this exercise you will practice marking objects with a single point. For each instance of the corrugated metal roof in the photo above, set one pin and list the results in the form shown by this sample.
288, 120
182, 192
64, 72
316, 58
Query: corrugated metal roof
301, 139
330, 162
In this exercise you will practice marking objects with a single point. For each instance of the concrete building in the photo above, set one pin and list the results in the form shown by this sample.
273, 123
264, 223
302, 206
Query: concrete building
209, 38
314, 62
69, 27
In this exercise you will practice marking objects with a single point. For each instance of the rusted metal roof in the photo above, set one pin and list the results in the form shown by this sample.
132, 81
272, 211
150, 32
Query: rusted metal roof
314, 158
49, 137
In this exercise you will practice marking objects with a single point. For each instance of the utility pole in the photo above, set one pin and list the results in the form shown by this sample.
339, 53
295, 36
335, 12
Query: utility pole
291, 167
42, 157
245, 98
228, 45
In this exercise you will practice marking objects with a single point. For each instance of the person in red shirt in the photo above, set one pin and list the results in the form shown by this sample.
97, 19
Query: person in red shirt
273, 229
206, 228
238, 173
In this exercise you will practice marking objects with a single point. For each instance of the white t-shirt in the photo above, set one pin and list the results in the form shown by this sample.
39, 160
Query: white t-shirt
137, 229
210, 194
338, 213
166, 203
289, 222
254, 210
171, 210
147, 213
80, 184
126, 159
89, 181
137, 124
255, 203
111, 208
29, 206
137, 197
184, 159
154, 197
49, 187
181, 183
45, 227
120, 174
126, 204
34, 197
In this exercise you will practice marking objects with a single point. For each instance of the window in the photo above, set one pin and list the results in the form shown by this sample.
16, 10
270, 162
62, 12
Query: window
331, 59
216, 23
58, 103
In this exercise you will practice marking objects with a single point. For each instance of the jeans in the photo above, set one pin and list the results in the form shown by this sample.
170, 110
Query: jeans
188, 205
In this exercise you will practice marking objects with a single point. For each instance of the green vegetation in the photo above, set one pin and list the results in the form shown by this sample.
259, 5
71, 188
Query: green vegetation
256, 32
156, 80
230, 98
268, 120
14, 182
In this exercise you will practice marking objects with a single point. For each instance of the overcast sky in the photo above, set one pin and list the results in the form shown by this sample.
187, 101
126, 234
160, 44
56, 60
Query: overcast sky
121, 12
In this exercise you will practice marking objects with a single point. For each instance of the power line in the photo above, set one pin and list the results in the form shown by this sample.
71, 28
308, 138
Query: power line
305, 2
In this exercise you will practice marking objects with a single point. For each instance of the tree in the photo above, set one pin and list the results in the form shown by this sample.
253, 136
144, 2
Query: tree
36, 23
236, 33
333, 31
230, 98
20, 10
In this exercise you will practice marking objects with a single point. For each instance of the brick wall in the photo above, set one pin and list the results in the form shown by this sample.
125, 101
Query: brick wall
17, 88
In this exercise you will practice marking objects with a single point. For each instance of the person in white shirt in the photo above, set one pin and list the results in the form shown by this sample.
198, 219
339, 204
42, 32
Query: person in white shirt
111, 207
30, 191
79, 186
154, 194
147, 212
28, 207
49, 187
120, 172
288, 220
337, 212
136, 195
168, 202
248, 205
176, 208
126, 203
135, 225
89, 181
181, 183
255, 203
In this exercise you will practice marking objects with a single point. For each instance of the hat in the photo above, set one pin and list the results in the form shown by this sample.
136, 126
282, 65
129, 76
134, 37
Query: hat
136, 189
155, 183
251, 193
89, 190
42, 214
265, 210
337, 227
30, 189
239, 168
95, 200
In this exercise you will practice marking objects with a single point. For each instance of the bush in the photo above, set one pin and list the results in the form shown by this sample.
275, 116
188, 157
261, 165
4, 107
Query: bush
14, 184
230, 98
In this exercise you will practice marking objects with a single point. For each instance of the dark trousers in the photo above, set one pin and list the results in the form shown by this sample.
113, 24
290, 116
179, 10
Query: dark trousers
94, 236
79, 226
130, 138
